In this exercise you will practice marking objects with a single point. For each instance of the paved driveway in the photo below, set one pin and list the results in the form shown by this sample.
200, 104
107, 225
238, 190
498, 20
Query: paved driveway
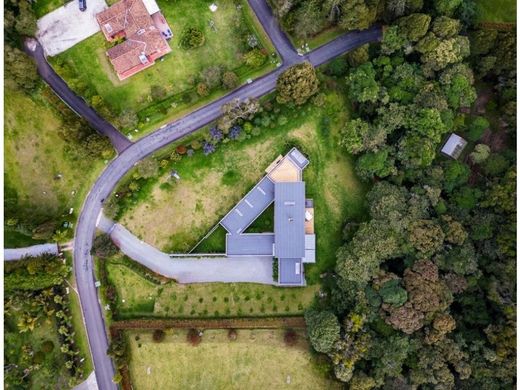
62, 28
249, 269
31, 251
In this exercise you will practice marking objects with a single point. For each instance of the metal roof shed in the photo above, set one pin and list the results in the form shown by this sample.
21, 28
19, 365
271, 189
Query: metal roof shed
454, 146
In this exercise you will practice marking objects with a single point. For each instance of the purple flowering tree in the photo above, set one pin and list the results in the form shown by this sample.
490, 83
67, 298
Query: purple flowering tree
215, 134
208, 148
234, 132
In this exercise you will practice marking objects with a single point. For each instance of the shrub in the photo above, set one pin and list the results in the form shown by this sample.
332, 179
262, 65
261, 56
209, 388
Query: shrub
181, 149
38, 357
254, 58
194, 337
158, 335
495, 165
212, 76
232, 334
477, 128
47, 346
480, 153
290, 337
337, 67
230, 80
175, 157
191, 38
202, 89
103, 247
158, 92
196, 145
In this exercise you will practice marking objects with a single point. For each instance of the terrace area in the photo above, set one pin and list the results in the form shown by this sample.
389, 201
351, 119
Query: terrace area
293, 242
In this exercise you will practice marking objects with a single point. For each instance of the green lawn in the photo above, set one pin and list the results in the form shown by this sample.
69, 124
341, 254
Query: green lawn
34, 155
214, 243
320, 39
139, 297
257, 359
503, 11
15, 239
88, 71
81, 337
175, 217
42, 7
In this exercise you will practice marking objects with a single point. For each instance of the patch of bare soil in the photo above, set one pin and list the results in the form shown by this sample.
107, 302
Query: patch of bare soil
496, 140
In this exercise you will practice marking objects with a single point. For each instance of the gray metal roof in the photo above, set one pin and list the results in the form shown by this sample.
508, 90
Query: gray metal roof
298, 158
289, 219
290, 271
258, 244
249, 207
454, 146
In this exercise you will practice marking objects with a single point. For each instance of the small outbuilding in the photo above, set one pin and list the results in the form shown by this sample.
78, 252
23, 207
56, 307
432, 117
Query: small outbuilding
454, 146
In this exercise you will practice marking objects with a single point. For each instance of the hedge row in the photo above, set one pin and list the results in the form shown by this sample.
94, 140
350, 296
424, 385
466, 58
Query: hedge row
501, 26
141, 270
221, 323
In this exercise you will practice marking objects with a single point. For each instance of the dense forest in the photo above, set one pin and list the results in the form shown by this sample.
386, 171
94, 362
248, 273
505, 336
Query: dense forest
424, 290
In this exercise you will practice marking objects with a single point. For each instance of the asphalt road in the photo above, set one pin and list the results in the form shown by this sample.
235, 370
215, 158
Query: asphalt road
86, 226
77, 104
280, 41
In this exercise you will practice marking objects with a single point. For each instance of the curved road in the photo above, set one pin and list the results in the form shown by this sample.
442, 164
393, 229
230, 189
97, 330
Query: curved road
76, 104
132, 153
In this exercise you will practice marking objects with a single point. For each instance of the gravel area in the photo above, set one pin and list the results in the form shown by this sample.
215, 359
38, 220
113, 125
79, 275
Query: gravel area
66, 26
247, 269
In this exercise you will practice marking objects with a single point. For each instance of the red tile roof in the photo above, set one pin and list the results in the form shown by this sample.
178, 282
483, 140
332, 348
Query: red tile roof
144, 42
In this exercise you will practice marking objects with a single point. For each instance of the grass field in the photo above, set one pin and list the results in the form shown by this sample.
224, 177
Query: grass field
176, 218
34, 154
258, 359
499, 11
88, 71
139, 297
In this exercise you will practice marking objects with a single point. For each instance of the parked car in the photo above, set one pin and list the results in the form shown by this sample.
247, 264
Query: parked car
82, 5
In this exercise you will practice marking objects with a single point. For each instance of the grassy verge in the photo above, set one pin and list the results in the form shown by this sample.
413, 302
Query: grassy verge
498, 11
88, 71
174, 216
256, 359
81, 337
318, 40
139, 297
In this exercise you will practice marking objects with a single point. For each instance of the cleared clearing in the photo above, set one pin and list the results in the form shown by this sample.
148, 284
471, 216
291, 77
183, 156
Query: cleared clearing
258, 359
